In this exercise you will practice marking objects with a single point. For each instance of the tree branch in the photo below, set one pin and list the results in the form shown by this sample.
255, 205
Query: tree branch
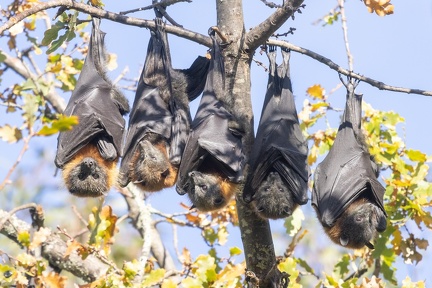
158, 250
70, 4
259, 34
378, 84
17, 65
54, 249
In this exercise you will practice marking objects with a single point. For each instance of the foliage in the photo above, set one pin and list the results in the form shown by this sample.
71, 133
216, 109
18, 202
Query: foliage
404, 170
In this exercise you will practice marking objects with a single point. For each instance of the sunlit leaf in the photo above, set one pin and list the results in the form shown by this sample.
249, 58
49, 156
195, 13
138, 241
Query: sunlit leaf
316, 91
235, 251
153, 278
10, 134
64, 123
24, 238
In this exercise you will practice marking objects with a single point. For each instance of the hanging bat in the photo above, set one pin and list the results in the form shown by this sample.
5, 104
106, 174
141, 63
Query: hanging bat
213, 159
160, 119
279, 171
89, 152
346, 194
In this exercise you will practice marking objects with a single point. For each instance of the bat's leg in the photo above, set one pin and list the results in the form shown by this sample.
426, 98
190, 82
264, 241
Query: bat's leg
88, 174
150, 168
273, 199
358, 225
209, 191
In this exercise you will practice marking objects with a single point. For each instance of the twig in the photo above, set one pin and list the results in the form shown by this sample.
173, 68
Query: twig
345, 33
74, 209
271, 4
378, 84
13, 211
164, 3
121, 75
12, 169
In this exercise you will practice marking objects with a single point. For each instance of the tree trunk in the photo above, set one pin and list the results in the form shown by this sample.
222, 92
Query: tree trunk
256, 234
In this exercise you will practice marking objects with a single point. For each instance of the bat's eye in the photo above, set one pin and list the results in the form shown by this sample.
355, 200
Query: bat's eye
358, 218
95, 176
204, 187
280, 189
218, 201
267, 189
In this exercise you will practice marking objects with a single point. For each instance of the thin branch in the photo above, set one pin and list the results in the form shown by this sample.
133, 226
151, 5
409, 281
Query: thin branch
164, 3
13, 211
54, 249
378, 84
81, 7
121, 75
345, 33
21, 154
259, 34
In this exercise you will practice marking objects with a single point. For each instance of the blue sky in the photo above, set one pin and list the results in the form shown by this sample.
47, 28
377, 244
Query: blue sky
395, 49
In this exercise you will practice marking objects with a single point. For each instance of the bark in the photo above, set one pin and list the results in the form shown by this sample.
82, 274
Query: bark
256, 234
54, 249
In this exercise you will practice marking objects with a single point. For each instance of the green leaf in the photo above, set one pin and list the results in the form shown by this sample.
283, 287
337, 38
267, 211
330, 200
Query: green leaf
235, 251
191, 283
64, 123
57, 43
153, 278
206, 268
24, 238
2, 57
416, 155
342, 266
51, 34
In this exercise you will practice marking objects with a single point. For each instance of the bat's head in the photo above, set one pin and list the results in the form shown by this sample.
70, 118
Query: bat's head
273, 199
358, 225
88, 174
150, 166
209, 191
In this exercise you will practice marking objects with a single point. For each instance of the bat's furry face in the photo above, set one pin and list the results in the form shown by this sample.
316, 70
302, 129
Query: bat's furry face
150, 167
358, 225
273, 199
209, 192
88, 174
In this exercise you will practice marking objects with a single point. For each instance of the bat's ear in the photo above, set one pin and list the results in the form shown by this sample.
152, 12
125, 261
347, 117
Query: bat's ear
343, 241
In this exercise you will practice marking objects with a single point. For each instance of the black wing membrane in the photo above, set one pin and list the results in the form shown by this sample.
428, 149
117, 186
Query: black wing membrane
347, 172
214, 135
279, 146
98, 105
161, 101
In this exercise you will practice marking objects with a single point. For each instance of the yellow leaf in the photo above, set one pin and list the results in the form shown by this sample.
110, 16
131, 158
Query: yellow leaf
153, 278
24, 238
169, 283
10, 134
54, 280
316, 91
